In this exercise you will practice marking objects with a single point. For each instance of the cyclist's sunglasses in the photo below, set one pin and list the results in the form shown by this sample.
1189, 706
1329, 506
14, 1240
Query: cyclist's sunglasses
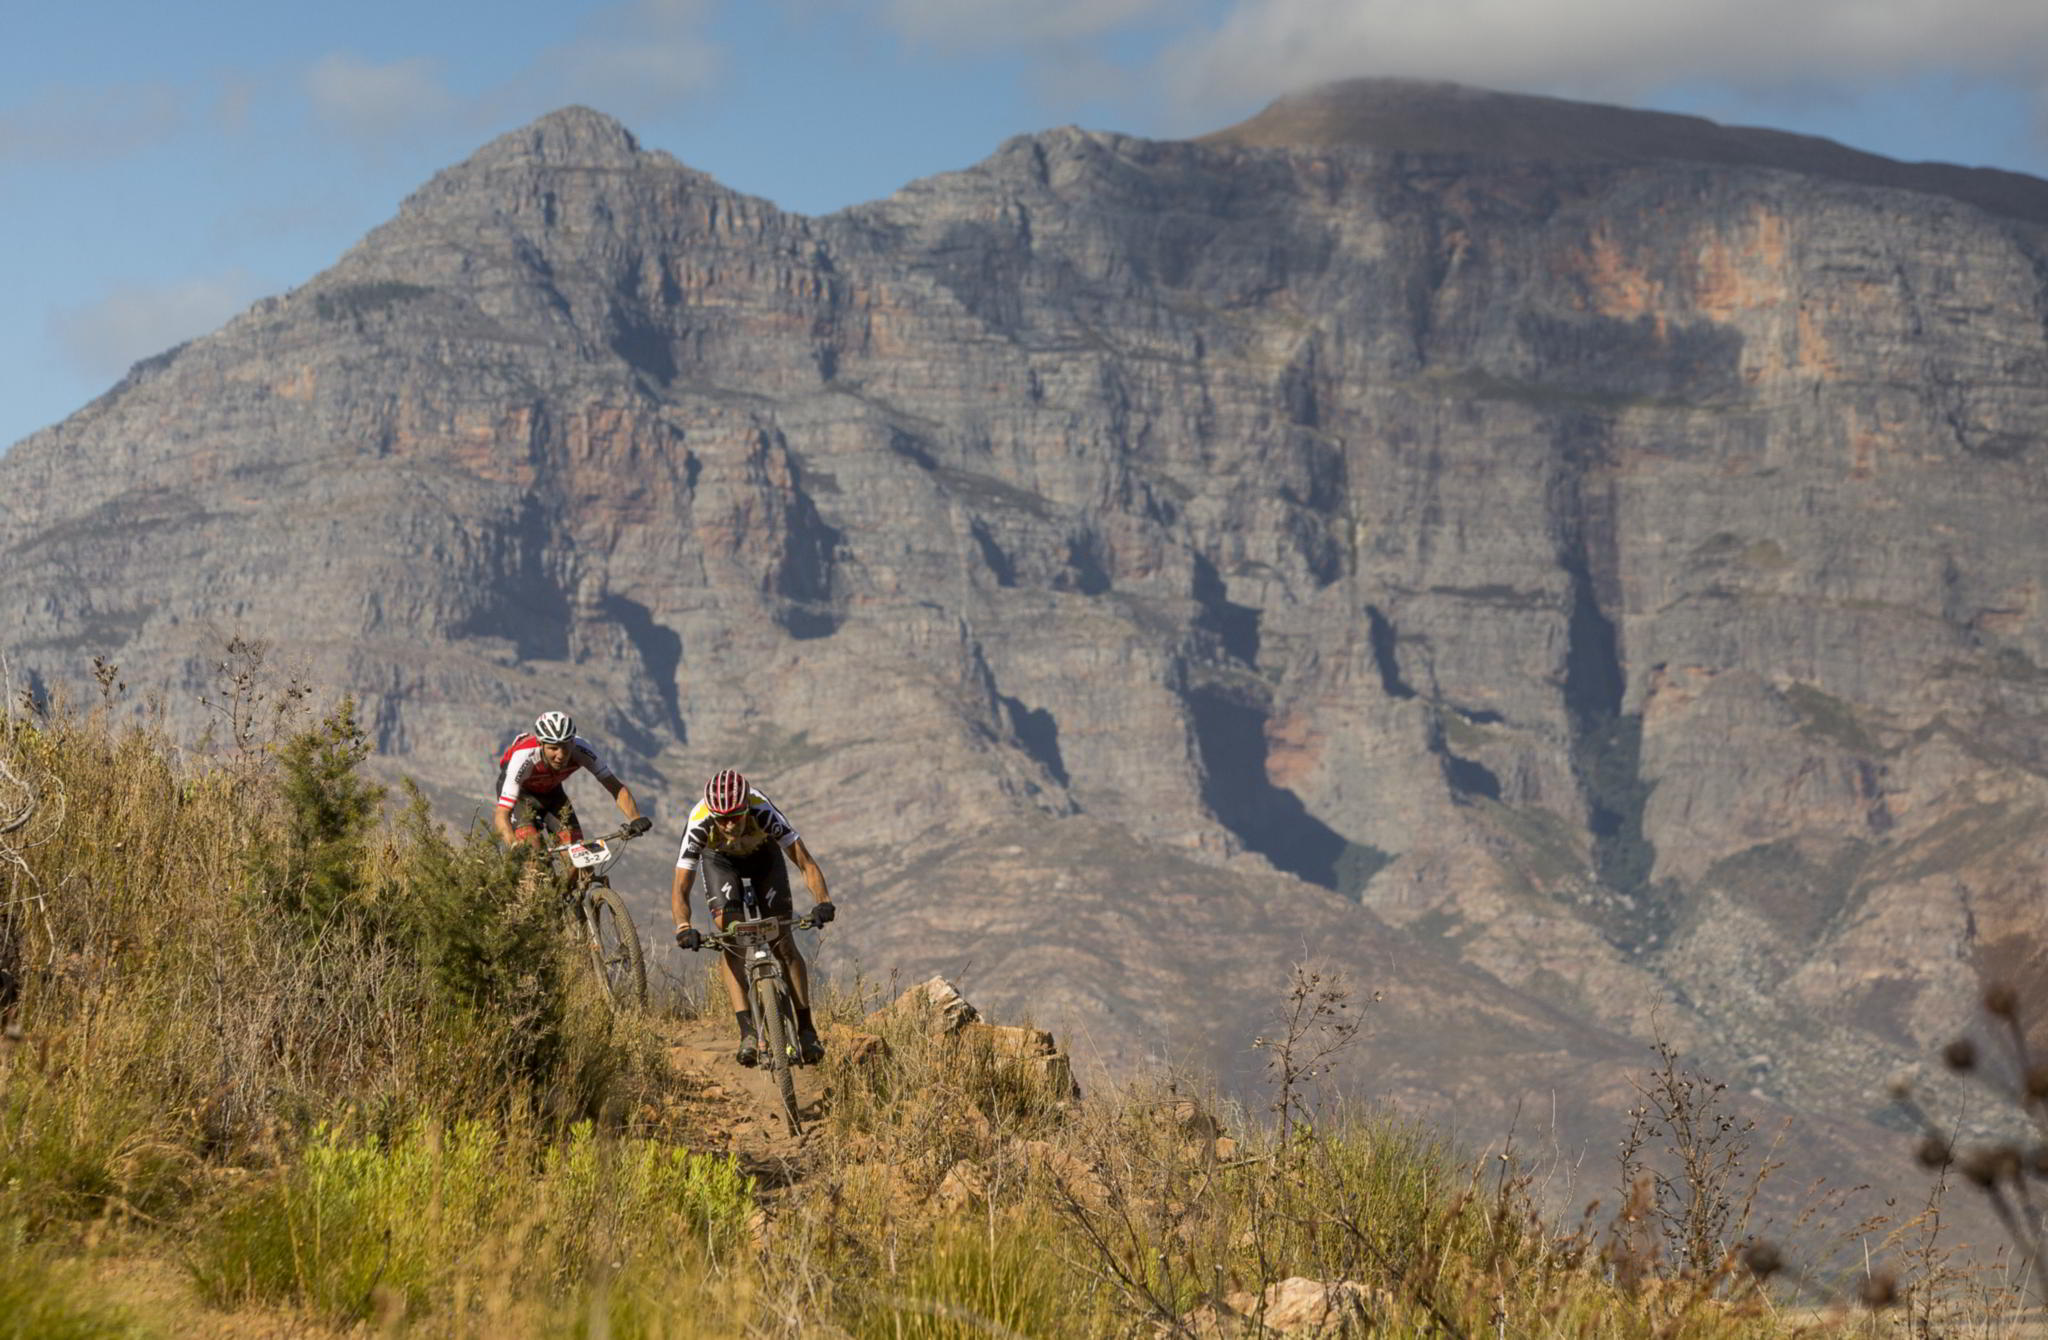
734, 817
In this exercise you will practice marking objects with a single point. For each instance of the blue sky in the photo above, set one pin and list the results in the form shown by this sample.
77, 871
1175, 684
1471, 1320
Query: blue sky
164, 164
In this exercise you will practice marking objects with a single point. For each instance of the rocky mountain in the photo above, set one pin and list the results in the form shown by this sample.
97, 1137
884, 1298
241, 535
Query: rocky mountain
1575, 568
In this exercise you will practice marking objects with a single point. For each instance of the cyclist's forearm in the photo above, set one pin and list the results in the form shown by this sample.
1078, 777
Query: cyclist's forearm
814, 877
501, 819
627, 805
679, 896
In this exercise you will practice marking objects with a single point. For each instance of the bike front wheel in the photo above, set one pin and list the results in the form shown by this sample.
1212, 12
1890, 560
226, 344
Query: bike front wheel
777, 1039
615, 949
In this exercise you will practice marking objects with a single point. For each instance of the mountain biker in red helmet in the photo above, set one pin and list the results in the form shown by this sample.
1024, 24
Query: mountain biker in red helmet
736, 832
531, 771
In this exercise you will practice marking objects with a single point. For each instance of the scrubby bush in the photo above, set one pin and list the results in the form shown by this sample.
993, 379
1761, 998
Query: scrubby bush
218, 955
338, 1061
311, 874
360, 1225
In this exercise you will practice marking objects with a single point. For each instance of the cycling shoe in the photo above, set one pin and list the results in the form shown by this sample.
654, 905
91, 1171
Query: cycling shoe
810, 1048
748, 1054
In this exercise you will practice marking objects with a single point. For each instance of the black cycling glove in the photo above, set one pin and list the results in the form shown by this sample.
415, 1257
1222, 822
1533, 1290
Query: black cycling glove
689, 937
823, 913
635, 827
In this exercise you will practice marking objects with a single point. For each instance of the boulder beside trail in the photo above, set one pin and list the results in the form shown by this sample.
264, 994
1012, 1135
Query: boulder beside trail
936, 996
952, 1015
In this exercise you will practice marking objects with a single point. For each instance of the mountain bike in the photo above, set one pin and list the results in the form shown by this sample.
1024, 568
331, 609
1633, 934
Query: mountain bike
768, 993
600, 915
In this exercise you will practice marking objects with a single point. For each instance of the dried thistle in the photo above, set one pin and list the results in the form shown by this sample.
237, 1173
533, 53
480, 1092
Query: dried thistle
1983, 1167
1762, 1259
1880, 1290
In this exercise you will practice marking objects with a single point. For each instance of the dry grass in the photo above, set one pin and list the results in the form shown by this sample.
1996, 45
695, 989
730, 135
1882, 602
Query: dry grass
343, 1068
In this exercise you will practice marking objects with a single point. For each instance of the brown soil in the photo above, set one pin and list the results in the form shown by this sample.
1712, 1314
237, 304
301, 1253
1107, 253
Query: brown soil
726, 1105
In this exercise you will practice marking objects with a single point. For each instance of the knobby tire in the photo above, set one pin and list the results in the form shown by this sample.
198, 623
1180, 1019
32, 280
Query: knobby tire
775, 1044
615, 949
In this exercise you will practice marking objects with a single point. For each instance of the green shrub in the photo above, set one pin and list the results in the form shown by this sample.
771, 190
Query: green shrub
487, 928
357, 1226
972, 1280
315, 872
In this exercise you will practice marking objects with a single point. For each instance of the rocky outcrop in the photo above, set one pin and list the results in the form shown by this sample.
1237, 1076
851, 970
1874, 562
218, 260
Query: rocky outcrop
1296, 1306
1581, 579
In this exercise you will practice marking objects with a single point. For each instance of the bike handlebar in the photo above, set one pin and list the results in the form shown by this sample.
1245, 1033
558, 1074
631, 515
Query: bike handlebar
726, 939
616, 835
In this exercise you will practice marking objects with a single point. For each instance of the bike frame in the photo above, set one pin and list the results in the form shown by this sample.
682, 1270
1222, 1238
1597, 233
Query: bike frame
753, 942
589, 864
753, 938
770, 993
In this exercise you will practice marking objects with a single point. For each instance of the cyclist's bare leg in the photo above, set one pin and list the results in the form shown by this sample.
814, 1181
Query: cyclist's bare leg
799, 975
736, 994
794, 969
735, 989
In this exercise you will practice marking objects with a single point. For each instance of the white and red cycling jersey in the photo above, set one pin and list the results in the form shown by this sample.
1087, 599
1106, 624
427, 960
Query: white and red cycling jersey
522, 767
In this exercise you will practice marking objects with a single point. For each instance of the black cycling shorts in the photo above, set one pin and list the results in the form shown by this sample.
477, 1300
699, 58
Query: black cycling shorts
719, 874
546, 812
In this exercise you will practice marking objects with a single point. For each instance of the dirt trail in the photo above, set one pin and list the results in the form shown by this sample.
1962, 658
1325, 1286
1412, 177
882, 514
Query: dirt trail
730, 1106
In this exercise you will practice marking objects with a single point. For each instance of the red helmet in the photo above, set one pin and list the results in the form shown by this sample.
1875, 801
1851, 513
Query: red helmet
726, 793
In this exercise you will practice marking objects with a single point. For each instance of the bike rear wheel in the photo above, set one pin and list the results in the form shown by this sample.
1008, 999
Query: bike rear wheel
615, 950
776, 1040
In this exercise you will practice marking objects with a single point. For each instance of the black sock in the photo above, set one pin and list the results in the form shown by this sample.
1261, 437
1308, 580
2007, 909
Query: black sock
746, 1021
803, 1019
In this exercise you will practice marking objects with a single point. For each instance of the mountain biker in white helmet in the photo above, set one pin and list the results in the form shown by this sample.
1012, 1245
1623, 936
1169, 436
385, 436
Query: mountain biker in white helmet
531, 771
736, 832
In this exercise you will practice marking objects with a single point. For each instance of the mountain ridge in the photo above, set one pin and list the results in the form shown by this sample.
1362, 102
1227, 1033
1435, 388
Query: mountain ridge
1454, 566
1418, 116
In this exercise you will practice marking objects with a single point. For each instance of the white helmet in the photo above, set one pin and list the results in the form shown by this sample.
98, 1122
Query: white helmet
554, 728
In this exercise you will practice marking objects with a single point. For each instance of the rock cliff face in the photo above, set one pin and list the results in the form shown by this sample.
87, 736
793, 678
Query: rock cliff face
1576, 568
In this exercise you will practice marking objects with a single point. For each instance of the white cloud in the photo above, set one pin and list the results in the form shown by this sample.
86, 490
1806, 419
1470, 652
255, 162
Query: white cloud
376, 103
68, 122
134, 321
986, 25
1608, 48
635, 58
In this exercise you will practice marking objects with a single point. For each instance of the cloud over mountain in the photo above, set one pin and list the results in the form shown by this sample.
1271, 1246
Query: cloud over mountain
638, 57
134, 321
634, 56
69, 122
1609, 48
979, 25
364, 100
